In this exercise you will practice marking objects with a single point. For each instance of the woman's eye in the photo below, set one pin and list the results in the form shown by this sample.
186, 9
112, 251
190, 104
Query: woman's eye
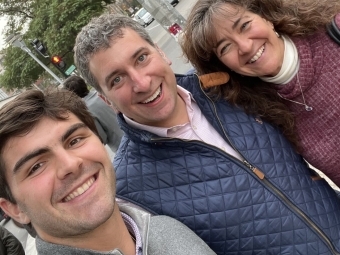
224, 49
244, 25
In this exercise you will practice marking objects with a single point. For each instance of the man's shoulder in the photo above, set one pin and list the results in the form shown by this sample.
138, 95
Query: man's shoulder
187, 81
164, 235
169, 236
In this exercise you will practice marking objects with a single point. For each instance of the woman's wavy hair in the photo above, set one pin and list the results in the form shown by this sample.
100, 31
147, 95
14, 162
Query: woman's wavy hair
289, 17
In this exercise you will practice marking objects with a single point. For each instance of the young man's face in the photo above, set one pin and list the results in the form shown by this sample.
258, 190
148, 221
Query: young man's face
61, 177
136, 77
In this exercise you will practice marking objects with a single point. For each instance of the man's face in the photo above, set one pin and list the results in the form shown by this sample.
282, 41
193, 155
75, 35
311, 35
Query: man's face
61, 177
138, 80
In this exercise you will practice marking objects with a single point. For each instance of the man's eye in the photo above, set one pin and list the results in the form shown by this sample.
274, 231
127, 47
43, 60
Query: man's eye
141, 58
75, 141
116, 80
35, 168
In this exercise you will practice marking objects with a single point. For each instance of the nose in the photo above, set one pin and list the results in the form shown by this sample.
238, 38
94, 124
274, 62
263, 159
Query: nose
244, 46
68, 164
141, 82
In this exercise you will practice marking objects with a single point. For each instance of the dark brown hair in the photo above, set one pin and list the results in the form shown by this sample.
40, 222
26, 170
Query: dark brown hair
289, 17
77, 85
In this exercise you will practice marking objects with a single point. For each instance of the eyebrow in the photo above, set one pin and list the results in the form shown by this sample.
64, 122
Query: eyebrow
41, 151
134, 55
236, 23
71, 130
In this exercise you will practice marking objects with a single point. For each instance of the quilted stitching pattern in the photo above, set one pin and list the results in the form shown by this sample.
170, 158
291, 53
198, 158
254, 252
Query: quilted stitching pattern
220, 199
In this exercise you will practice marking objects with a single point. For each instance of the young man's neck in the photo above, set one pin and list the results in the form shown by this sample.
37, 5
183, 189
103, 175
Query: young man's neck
112, 234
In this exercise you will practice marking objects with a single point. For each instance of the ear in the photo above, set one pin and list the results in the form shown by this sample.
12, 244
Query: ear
109, 103
14, 211
163, 55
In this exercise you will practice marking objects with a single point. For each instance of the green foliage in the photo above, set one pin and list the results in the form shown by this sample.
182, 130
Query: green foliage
22, 72
55, 22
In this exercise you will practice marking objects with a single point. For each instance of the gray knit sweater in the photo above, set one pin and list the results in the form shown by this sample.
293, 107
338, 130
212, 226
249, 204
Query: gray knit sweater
160, 235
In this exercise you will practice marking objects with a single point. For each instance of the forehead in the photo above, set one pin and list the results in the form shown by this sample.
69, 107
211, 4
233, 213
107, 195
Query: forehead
43, 133
228, 13
119, 55
128, 37
219, 17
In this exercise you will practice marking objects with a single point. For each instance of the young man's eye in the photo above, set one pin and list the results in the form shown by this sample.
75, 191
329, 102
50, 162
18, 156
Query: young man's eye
75, 141
35, 168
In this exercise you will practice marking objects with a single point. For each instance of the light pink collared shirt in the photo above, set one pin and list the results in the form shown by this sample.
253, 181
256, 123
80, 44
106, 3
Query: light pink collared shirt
198, 127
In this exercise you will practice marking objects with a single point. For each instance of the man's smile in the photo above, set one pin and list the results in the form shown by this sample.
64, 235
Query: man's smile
154, 96
80, 190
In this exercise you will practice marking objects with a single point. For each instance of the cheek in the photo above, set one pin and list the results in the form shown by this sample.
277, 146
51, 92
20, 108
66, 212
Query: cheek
41, 192
121, 99
229, 60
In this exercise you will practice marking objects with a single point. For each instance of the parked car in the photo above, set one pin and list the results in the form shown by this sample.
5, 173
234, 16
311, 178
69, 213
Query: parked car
143, 17
139, 20
173, 2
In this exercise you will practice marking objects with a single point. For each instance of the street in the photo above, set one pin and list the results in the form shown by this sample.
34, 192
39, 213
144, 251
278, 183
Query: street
167, 43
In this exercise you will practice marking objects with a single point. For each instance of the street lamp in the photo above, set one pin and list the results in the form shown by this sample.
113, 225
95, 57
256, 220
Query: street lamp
16, 41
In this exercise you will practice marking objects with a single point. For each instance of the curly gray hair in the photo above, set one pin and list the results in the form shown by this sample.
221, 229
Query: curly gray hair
99, 34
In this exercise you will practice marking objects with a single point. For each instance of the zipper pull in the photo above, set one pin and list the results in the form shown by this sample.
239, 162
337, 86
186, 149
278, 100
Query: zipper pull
256, 171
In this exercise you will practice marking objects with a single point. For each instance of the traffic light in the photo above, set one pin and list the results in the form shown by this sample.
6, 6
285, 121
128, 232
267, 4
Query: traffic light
59, 63
40, 47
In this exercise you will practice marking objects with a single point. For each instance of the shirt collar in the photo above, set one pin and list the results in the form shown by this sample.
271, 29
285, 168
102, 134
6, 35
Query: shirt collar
133, 229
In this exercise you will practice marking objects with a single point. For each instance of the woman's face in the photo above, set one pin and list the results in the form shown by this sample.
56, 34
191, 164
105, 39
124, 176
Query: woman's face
247, 43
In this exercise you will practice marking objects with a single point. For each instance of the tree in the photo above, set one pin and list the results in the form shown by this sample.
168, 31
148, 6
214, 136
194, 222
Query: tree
55, 22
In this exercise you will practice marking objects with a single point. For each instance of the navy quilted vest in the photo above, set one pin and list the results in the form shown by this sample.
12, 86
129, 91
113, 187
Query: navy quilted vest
267, 204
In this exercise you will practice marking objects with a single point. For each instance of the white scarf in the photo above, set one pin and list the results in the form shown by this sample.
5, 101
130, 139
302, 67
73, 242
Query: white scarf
290, 64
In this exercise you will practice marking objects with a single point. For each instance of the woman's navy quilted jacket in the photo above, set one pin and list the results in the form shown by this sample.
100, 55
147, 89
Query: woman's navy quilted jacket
267, 204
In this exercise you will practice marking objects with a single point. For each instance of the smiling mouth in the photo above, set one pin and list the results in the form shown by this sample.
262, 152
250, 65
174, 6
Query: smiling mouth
257, 55
82, 189
154, 96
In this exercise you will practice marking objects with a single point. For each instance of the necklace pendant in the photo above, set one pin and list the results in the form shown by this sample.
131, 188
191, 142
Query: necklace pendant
308, 108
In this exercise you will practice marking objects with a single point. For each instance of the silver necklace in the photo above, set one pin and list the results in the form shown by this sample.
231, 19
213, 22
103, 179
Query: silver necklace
307, 107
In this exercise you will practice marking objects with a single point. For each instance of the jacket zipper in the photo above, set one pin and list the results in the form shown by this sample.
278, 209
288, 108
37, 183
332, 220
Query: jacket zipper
291, 205
266, 182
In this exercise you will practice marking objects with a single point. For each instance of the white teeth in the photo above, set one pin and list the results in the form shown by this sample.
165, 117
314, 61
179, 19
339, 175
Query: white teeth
153, 97
80, 190
257, 55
